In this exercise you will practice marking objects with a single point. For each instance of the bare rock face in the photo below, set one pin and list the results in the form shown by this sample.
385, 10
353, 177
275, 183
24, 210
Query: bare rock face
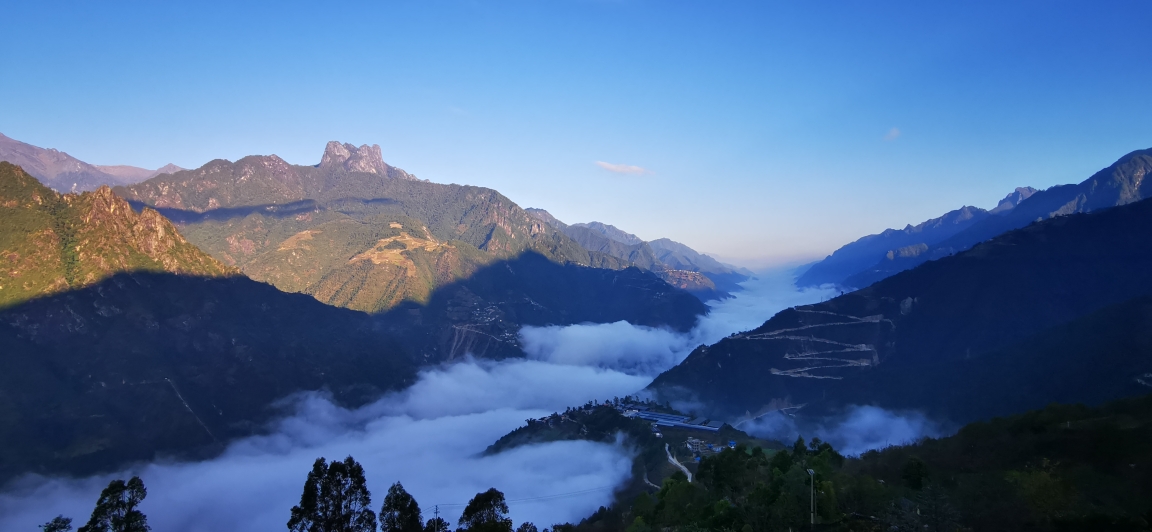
363, 159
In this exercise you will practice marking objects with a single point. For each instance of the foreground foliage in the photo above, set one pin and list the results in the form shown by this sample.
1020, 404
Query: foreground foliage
1064, 468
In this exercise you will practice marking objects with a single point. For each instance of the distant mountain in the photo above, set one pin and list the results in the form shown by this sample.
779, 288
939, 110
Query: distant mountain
52, 242
351, 231
133, 174
676, 263
64, 173
1119, 184
967, 336
911, 241
612, 233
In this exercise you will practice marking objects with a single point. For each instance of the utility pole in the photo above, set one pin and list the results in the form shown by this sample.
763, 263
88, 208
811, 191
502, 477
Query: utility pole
812, 499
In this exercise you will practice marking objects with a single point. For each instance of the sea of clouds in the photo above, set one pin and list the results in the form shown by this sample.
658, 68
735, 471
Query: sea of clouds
430, 436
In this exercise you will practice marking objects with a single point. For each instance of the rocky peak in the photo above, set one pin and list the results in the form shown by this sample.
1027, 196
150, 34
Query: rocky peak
363, 159
1013, 199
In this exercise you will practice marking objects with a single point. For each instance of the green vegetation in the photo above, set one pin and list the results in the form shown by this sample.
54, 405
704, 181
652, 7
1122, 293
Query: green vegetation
1064, 468
957, 337
51, 242
335, 499
351, 239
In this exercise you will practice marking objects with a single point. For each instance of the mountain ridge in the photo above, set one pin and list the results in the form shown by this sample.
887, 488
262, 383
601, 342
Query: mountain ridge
1026, 282
53, 242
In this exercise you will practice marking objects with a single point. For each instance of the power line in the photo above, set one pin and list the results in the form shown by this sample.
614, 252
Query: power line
544, 497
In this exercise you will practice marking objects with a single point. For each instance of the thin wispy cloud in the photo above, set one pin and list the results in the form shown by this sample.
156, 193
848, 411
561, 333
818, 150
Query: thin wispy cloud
892, 134
623, 168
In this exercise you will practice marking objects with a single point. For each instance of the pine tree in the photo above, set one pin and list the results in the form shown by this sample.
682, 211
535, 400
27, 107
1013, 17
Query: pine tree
335, 499
400, 512
116, 509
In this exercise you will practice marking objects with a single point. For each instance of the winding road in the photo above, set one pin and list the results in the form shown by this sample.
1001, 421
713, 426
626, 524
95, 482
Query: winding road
672, 460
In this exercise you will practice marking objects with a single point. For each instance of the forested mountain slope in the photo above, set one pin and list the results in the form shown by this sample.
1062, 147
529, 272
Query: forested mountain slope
52, 242
351, 231
973, 307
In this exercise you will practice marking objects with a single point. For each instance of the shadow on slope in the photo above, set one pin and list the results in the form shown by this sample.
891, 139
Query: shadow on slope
145, 363
954, 309
483, 314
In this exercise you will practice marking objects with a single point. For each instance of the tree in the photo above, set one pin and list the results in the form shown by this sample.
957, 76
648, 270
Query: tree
57, 524
486, 512
437, 524
527, 527
335, 499
400, 512
116, 509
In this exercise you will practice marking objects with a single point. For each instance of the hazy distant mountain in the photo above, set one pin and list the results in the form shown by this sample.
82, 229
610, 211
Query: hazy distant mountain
132, 174
351, 231
64, 173
612, 233
676, 263
52, 242
865, 253
1119, 184
1006, 325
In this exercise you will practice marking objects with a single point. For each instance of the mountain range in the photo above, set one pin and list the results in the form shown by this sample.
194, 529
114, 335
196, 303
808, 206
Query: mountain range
123, 341
875, 257
1054, 310
64, 173
351, 231
676, 263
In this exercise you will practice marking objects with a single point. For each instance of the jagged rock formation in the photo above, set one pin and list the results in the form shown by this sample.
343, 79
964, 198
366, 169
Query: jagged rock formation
51, 242
365, 159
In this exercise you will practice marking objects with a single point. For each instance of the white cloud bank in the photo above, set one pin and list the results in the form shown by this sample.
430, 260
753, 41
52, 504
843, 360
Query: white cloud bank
429, 436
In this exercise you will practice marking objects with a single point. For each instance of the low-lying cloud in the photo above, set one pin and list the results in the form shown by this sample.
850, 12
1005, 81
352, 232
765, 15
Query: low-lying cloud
623, 168
858, 429
430, 436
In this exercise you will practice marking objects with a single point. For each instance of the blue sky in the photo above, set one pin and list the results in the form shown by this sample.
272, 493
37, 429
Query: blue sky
765, 130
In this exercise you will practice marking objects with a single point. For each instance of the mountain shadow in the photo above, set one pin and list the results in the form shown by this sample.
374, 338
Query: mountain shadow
967, 307
483, 313
142, 365
145, 364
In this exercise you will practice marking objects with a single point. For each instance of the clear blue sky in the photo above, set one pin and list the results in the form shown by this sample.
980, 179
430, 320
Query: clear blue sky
766, 129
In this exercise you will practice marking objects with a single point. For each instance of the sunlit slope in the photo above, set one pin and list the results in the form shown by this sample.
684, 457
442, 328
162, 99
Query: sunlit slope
51, 242
362, 236
961, 308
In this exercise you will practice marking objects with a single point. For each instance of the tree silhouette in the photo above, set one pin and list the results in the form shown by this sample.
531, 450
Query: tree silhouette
437, 524
335, 499
486, 512
57, 524
527, 527
116, 509
400, 512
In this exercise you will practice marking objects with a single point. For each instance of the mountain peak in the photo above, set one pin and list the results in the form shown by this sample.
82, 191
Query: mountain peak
366, 159
1013, 199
